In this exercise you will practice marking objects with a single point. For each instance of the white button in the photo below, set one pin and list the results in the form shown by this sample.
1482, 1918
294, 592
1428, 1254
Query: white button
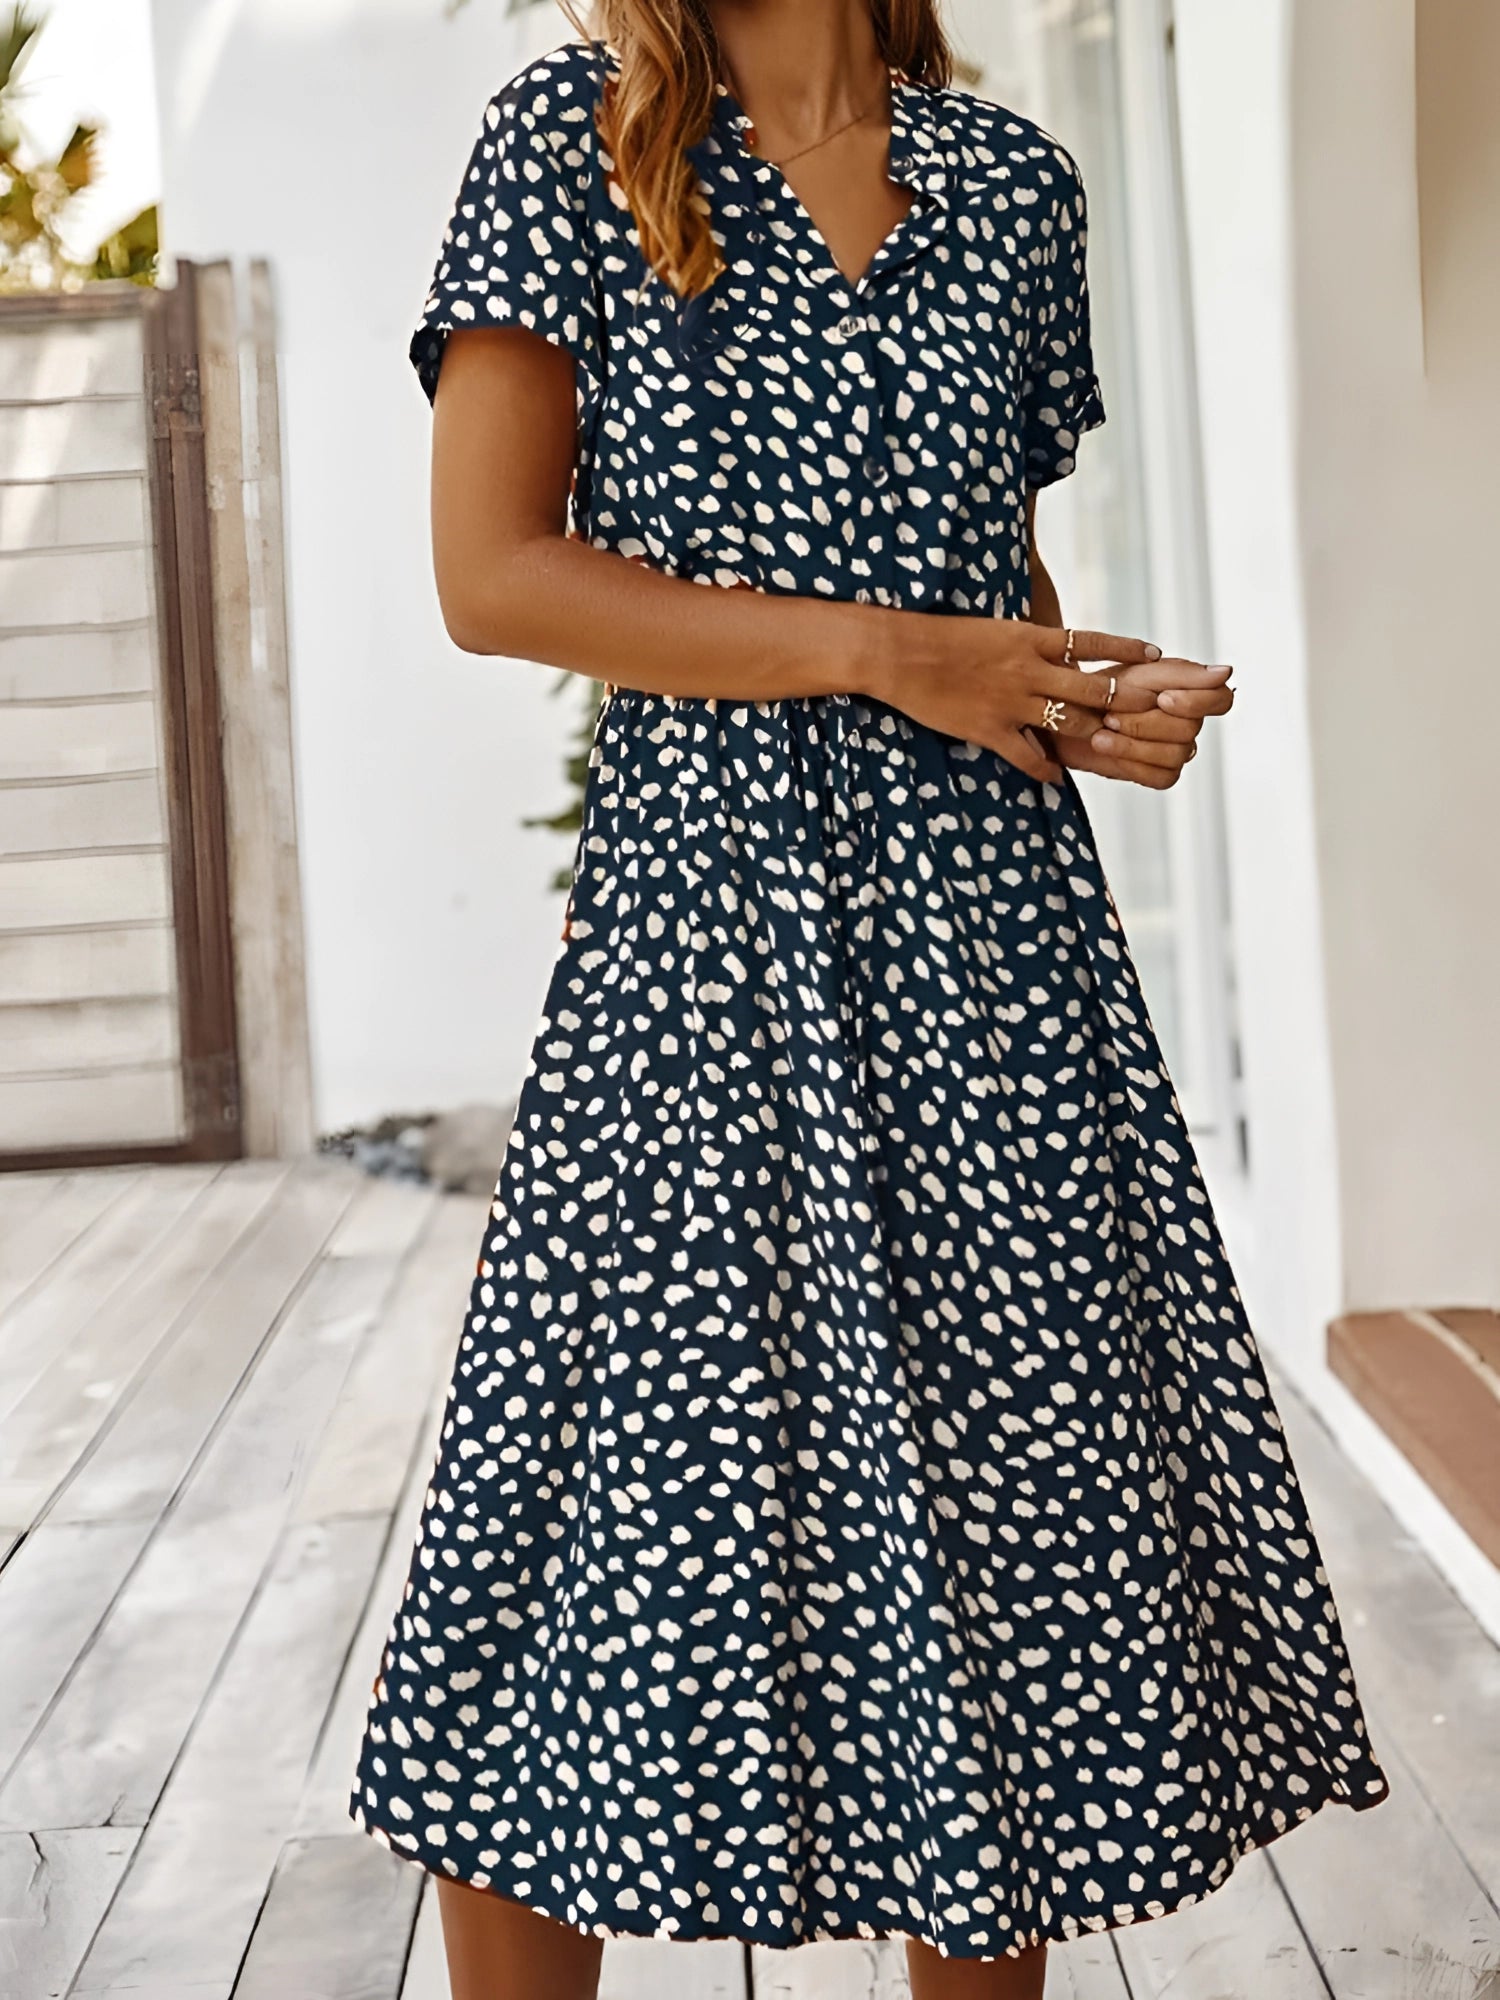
850, 325
876, 470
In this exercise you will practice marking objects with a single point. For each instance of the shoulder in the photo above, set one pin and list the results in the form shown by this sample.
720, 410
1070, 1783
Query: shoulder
553, 98
989, 145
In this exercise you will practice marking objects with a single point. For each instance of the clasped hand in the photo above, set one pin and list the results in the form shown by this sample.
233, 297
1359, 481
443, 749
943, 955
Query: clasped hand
1151, 746
1044, 704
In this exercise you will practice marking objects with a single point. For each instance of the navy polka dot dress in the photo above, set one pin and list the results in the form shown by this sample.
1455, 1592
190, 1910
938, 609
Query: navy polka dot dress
859, 1510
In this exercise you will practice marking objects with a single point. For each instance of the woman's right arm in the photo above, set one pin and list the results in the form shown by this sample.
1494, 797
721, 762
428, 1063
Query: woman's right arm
512, 582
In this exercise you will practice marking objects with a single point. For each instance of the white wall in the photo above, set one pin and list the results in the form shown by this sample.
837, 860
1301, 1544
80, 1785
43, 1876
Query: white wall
1350, 462
1399, 438
331, 137
1235, 124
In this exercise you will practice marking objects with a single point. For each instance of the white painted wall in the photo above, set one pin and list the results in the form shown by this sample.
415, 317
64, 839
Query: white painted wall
331, 137
1399, 437
1235, 123
1351, 452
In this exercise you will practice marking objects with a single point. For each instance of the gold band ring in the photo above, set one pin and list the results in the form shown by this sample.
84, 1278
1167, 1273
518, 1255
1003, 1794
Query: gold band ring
1070, 657
1054, 715
1109, 699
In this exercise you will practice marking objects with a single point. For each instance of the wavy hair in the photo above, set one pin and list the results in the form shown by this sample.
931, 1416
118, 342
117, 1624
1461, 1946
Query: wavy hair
662, 101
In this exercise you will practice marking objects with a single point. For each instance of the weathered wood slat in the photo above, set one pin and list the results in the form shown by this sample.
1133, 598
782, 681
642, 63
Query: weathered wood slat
387, 1212
54, 1888
86, 965
73, 513
188, 1903
427, 1967
90, 813
91, 1336
46, 666
102, 1757
337, 1923
1085, 1970
1424, 1926
149, 1448
68, 439
40, 1333
1241, 1940
361, 1463
21, 1195
124, 1107
642, 1969
325, 1798
79, 739
50, 891
1426, 1670
28, 1250
259, 779
86, 586
87, 1034
53, 1592
852, 1970
50, 359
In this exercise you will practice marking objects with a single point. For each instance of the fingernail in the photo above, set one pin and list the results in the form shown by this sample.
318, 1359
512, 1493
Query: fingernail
1113, 722
1225, 671
1102, 740
1153, 652
1167, 700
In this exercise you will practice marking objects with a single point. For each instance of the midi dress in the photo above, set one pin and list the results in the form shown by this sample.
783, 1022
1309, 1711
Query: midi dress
859, 1509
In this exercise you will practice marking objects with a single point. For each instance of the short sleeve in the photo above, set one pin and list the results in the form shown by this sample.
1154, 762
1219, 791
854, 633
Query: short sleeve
518, 250
1062, 391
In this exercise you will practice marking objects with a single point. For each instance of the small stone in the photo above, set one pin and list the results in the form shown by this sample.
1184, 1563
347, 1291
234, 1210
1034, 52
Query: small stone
462, 1149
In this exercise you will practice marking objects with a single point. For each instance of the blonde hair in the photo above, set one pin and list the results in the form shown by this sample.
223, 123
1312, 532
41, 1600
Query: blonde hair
662, 101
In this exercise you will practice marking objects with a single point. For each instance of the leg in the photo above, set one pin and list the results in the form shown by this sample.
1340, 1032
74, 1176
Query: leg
934, 1977
500, 1950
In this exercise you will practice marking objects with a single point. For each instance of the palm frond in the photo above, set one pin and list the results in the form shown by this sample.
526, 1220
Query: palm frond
16, 38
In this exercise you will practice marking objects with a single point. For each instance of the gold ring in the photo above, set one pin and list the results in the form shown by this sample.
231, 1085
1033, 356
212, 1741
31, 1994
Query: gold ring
1054, 715
1069, 657
1110, 697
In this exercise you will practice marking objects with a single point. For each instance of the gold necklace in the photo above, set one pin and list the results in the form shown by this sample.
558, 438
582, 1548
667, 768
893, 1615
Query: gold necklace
827, 138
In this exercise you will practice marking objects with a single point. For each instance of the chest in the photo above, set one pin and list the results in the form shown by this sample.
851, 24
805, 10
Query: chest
841, 412
848, 200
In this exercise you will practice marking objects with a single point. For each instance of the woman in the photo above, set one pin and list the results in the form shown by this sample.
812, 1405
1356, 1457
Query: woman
860, 1510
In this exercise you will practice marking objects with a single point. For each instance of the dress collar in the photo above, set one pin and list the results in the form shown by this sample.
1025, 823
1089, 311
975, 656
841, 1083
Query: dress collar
917, 158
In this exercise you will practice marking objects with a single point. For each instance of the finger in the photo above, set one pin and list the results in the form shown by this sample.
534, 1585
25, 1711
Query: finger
1017, 747
1197, 702
1052, 644
1174, 673
1157, 725
1090, 691
1063, 718
1111, 744
1121, 767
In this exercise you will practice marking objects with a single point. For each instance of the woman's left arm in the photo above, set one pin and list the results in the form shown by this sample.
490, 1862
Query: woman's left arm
1148, 749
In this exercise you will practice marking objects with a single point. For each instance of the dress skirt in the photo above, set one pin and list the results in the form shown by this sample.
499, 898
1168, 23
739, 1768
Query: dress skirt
860, 1509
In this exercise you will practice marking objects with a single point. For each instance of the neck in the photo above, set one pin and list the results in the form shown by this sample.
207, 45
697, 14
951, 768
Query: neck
799, 66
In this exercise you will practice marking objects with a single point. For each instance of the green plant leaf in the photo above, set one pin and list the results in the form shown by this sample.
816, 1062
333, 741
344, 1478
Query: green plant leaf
15, 40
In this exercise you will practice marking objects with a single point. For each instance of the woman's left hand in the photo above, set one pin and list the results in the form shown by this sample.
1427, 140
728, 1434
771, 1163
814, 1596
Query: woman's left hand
1152, 748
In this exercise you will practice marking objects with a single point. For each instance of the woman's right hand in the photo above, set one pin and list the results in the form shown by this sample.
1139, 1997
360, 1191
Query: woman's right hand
992, 681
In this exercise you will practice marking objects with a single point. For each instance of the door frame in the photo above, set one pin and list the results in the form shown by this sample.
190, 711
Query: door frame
193, 765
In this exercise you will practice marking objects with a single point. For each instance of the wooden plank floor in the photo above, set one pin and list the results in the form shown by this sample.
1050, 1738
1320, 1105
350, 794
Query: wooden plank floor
219, 1397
